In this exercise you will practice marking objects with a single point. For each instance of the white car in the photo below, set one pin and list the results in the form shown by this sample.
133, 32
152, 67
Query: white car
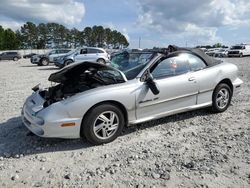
83, 54
221, 53
239, 50
96, 101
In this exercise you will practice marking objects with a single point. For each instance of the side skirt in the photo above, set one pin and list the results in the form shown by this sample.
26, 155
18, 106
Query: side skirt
172, 112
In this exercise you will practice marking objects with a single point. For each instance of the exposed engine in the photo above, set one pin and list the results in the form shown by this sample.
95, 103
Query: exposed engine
76, 84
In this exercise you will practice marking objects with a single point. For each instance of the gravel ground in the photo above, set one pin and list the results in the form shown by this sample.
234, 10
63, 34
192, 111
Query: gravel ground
194, 149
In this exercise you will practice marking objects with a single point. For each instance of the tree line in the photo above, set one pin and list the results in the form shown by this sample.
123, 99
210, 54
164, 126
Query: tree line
54, 35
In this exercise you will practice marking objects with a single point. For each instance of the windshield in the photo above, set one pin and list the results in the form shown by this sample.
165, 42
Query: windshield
131, 64
237, 47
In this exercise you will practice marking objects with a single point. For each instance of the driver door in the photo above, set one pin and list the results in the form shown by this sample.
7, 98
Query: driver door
177, 85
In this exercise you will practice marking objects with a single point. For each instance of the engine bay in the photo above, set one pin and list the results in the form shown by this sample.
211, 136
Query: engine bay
89, 79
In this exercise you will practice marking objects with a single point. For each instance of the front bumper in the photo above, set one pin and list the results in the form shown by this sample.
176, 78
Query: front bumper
34, 60
59, 64
47, 122
233, 55
237, 86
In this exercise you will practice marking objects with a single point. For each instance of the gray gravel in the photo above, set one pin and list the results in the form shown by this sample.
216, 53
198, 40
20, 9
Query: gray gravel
194, 149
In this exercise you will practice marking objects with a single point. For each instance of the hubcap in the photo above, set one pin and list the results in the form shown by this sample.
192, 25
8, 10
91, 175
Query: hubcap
44, 62
106, 125
222, 98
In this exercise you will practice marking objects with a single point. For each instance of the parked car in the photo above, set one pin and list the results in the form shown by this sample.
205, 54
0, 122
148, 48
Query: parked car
45, 59
239, 50
29, 55
211, 52
83, 54
58, 53
96, 101
221, 53
15, 56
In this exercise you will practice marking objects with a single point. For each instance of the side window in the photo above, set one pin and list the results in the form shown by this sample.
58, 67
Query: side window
195, 62
171, 67
92, 51
99, 51
83, 51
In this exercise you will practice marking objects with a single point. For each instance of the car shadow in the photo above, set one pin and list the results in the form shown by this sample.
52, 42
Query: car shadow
15, 139
168, 119
50, 68
28, 66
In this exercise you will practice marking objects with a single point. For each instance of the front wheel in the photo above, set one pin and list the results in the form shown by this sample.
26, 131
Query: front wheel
68, 62
15, 59
103, 124
221, 98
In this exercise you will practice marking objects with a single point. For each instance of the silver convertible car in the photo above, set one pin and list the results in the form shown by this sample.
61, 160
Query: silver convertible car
96, 101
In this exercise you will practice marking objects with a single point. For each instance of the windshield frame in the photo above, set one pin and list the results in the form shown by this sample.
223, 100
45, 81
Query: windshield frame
140, 65
237, 47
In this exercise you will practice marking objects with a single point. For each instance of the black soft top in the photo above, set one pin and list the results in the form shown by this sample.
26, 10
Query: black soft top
210, 61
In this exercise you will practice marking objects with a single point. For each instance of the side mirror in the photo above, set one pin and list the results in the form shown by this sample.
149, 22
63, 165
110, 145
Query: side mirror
151, 84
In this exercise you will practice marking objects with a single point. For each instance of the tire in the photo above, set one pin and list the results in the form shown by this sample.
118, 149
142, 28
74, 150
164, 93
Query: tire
101, 61
102, 116
67, 62
15, 59
241, 55
44, 62
221, 99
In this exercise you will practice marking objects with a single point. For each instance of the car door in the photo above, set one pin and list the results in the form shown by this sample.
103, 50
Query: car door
4, 56
177, 85
82, 55
92, 54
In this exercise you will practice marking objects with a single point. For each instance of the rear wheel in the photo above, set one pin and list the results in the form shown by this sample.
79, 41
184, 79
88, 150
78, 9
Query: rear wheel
221, 98
102, 61
103, 124
44, 62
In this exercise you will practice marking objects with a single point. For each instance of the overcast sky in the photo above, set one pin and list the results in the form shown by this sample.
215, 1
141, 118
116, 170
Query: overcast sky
157, 22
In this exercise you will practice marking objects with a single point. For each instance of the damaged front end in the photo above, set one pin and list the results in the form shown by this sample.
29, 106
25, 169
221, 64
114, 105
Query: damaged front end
77, 78
47, 120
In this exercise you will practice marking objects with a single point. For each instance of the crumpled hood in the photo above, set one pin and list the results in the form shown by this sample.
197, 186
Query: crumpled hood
75, 69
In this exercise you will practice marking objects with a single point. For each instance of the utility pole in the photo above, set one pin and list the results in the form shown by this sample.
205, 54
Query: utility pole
139, 42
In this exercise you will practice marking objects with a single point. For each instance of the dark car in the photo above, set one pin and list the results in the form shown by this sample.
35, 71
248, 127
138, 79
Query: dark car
45, 59
29, 55
10, 56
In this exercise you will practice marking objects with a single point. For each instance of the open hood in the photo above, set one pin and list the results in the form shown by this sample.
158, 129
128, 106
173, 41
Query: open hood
75, 70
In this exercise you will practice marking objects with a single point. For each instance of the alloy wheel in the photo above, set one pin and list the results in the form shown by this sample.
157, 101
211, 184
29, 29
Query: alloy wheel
222, 98
106, 125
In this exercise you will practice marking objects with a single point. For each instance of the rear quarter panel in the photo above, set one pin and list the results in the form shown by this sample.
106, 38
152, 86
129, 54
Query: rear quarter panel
209, 78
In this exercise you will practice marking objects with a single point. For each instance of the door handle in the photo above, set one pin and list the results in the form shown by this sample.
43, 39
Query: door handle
191, 79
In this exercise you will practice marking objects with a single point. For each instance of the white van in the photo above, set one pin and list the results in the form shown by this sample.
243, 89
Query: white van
239, 50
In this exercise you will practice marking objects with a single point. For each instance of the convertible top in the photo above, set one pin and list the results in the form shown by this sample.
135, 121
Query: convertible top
209, 60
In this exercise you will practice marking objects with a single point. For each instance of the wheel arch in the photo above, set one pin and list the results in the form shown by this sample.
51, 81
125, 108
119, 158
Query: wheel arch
228, 82
100, 58
112, 102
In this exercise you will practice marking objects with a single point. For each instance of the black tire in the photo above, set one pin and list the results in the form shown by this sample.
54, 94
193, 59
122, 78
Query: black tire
102, 61
225, 101
241, 55
15, 58
44, 62
91, 120
67, 62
